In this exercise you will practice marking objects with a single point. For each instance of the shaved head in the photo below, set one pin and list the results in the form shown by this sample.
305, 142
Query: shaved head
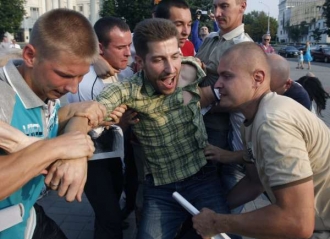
280, 73
244, 76
248, 56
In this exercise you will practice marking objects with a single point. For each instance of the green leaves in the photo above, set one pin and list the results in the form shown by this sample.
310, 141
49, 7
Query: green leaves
11, 15
132, 11
326, 13
256, 24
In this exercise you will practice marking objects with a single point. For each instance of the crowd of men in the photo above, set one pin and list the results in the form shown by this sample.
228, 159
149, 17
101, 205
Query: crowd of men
220, 126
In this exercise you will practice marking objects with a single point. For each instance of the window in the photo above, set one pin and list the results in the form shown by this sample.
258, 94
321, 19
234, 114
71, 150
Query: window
34, 12
81, 8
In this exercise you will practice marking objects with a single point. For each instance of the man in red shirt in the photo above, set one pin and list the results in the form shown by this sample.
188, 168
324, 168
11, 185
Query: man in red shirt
178, 12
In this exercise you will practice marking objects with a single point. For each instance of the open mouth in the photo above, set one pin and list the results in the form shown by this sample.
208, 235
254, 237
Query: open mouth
168, 82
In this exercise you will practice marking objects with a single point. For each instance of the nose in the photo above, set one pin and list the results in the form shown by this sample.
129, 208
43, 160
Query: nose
72, 86
218, 84
127, 51
217, 12
169, 67
186, 30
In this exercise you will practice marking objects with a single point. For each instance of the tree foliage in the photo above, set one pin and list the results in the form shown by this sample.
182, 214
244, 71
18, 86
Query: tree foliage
294, 32
133, 11
317, 34
256, 25
11, 15
326, 14
136, 10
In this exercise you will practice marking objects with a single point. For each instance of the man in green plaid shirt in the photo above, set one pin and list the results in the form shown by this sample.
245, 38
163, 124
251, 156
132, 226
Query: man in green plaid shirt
171, 136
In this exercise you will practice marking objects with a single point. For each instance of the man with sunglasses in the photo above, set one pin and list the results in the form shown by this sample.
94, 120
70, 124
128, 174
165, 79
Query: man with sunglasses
265, 44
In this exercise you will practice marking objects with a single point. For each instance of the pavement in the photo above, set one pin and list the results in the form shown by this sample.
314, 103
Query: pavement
77, 218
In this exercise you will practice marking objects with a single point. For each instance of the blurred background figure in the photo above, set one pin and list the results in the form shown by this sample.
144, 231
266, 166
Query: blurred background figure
199, 34
316, 92
307, 56
300, 60
265, 44
14, 44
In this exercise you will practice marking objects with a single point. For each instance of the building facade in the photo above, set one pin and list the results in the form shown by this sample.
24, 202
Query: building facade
306, 15
35, 8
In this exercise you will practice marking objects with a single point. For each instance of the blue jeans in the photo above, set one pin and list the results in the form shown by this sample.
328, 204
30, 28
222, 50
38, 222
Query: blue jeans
162, 216
231, 174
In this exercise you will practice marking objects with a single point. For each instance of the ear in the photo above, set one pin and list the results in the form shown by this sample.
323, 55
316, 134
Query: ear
243, 6
288, 84
101, 47
139, 61
29, 55
259, 78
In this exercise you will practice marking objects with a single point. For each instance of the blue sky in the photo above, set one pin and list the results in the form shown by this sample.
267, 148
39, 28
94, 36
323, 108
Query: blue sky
257, 6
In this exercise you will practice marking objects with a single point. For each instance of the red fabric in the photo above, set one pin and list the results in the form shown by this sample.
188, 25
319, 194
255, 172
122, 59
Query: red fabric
188, 49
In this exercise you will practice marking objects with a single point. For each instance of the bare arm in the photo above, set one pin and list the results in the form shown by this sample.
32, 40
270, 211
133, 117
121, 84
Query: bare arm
247, 189
223, 156
292, 216
13, 140
69, 176
92, 110
20, 167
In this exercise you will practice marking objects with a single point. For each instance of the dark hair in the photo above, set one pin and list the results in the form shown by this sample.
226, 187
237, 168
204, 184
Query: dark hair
164, 7
105, 24
315, 90
152, 30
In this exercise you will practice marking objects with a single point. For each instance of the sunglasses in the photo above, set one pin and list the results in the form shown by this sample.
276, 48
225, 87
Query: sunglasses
266, 39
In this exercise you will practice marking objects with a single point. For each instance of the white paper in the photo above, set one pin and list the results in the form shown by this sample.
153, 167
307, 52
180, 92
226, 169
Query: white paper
193, 211
10, 216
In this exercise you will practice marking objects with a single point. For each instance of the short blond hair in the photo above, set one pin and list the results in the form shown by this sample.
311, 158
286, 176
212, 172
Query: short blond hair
64, 30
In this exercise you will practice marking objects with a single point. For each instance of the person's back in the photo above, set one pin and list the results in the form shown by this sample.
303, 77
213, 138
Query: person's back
282, 84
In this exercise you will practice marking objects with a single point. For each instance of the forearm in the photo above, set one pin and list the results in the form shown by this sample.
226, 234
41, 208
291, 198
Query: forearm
207, 96
12, 140
269, 222
77, 124
232, 156
194, 34
18, 168
243, 192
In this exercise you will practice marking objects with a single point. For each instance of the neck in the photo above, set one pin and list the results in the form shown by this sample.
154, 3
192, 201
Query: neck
26, 75
250, 109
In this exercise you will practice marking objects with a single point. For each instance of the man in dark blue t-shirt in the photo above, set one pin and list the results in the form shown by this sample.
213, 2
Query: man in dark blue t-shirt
282, 84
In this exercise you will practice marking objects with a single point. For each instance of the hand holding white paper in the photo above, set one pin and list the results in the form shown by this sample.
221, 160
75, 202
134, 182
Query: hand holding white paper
193, 211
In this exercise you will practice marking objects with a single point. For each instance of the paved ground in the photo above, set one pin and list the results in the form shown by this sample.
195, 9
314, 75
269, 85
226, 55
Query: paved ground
76, 219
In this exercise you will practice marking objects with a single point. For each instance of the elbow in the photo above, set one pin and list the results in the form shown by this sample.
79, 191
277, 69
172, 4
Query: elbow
303, 229
306, 231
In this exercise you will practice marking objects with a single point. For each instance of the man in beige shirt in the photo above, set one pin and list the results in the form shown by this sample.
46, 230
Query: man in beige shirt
289, 147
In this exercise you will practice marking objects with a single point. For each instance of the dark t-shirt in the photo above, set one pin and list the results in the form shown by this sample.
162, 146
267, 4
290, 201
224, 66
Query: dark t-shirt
299, 94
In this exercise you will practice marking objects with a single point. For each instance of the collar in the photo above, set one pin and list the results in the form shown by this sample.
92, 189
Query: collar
233, 33
16, 81
149, 88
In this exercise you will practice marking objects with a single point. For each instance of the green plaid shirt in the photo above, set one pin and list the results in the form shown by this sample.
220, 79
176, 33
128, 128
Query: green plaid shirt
170, 136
